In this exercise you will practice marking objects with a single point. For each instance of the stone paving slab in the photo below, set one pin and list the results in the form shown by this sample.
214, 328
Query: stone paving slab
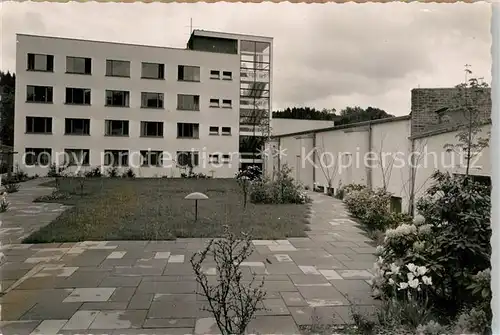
146, 287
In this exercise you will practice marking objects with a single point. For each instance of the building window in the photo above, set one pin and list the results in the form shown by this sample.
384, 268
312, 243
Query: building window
38, 62
214, 74
77, 96
77, 127
117, 98
78, 65
226, 103
214, 103
153, 71
117, 68
188, 130
151, 129
116, 157
227, 75
38, 125
41, 94
151, 158
37, 156
226, 130
225, 158
188, 158
213, 130
188, 73
188, 102
213, 158
77, 156
116, 128
151, 100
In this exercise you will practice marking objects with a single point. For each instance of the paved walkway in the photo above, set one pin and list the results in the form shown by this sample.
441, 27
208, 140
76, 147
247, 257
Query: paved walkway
24, 216
148, 287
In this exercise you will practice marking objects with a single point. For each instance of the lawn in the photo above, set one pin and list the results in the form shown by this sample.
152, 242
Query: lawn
155, 209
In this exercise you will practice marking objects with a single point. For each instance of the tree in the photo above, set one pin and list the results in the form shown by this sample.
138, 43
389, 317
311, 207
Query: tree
357, 114
305, 113
7, 90
469, 99
385, 169
328, 165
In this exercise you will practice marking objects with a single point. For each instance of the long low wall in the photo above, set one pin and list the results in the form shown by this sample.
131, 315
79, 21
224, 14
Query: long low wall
379, 154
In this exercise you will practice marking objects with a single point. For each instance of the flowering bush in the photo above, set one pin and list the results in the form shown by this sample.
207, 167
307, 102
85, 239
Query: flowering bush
4, 204
372, 208
282, 190
443, 256
458, 213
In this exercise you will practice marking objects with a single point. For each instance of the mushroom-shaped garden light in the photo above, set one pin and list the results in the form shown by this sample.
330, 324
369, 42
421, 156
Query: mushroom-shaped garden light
196, 196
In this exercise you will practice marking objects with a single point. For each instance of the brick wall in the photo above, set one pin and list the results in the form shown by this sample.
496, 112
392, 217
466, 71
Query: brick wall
425, 102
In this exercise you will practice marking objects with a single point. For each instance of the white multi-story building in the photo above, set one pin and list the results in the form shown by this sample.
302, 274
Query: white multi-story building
152, 109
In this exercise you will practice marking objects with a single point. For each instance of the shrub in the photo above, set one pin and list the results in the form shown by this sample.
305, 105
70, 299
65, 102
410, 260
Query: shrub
372, 208
112, 172
94, 172
282, 190
252, 173
55, 170
129, 173
54, 196
11, 187
194, 175
4, 204
19, 175
450, 240
458, 212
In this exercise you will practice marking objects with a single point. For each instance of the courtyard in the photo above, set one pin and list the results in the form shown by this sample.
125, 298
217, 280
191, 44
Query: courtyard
148, 287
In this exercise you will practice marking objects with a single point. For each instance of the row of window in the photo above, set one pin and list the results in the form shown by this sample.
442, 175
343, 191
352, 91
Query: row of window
74, 126
43, 157
114, 98
120, 68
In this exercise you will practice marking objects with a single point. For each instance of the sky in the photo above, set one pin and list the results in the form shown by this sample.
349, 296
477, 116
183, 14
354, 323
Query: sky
325, 55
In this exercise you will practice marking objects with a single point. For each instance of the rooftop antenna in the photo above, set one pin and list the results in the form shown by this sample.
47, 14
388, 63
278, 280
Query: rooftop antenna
191, 26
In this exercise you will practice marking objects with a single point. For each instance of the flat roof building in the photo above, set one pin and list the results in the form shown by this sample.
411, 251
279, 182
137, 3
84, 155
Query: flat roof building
156, 110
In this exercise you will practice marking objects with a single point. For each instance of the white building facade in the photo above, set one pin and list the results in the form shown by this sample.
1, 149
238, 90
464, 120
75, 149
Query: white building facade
155, 110
399, 154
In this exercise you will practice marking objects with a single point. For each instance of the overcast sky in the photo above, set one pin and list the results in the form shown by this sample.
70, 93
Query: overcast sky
325, 55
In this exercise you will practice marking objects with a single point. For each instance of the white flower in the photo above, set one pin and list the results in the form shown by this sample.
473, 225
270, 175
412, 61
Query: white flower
418, 220
401, 230
421, 270
418, 245
413, 283
379, 250
403, 286
425, 229
410, 276
391, 281
427, 280
394, 269
412, 267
